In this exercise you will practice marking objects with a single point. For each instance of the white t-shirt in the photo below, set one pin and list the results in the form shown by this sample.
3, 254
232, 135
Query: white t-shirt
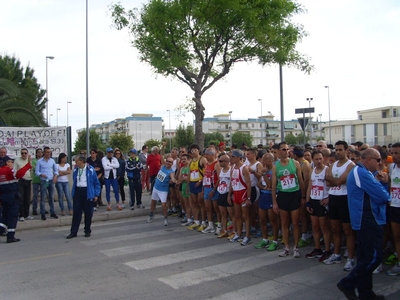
63, 178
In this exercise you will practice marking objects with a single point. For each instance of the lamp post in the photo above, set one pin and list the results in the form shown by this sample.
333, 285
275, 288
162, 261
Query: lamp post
68, 102
169, 125
329, 115
47, 91
230, 128
261, 122
50, 115
309, 121
57, 115
320, 123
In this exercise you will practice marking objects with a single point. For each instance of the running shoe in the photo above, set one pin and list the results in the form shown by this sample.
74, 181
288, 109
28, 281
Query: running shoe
202, 227
378, 270
185, 219
333, 259
230, 227
235, 239
194, 226
392, 259
325, 255
302, 243
231, 235
350, 264
150, 218
207, 229
223, 234
258, 234
122, 205
285, 252
165, 222
245, 241
188, 223
174, 213
118, 207
261, 244
395, 270
296, 253
346, 254
273, 246
218, 230
316, 253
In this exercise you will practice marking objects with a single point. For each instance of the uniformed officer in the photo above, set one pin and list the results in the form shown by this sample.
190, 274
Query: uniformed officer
133, 172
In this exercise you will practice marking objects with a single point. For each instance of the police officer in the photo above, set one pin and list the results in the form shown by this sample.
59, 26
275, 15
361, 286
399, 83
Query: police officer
133, 171
9, 195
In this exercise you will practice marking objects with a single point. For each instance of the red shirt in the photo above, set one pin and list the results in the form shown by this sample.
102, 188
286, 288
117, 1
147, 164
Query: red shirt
153, 164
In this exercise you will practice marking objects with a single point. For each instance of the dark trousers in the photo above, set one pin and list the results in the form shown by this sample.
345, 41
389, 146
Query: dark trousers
121, 185
369, 256
135, 189
24, 187
9, 217
82, 204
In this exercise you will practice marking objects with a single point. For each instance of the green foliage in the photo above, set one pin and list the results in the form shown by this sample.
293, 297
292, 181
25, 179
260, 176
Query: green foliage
214, 137
151, 143
239, 138
94, 140
122, 141
21, 104
199, 41
184, 136
300, 139
291, 139
320, 138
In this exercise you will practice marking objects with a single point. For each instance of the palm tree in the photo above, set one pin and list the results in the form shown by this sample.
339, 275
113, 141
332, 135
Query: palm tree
17, 106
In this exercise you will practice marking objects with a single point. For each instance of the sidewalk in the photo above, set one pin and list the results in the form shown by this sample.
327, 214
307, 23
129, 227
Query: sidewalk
100, 215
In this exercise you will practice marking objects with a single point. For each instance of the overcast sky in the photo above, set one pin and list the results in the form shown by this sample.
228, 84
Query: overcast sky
353, 44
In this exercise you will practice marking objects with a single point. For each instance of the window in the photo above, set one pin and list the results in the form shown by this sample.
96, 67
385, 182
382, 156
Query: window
384, 129
384, 114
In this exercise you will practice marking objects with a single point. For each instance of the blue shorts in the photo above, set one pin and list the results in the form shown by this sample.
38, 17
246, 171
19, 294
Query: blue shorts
265, 202
207, 192
195, 190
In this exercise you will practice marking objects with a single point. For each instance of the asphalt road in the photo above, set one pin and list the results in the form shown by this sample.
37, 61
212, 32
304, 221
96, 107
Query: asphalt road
130, 259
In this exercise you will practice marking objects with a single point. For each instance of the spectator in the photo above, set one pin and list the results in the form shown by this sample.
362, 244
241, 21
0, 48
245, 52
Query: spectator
62, 185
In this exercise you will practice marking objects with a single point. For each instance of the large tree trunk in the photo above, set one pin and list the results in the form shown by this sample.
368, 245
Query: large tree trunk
199, 117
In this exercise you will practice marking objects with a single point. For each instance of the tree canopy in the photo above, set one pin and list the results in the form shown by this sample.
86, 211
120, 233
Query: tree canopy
199, 41
94, 138
239, 138
184, 136
122, 141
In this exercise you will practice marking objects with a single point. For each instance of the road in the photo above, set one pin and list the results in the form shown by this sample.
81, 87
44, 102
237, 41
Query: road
129, 259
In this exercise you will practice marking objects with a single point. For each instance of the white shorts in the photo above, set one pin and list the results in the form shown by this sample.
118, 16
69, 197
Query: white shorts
158, 195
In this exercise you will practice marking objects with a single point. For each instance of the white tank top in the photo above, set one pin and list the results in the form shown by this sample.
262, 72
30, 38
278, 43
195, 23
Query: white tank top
237, 180
340, 190
319, 190
224, 181
394, 172
253, 178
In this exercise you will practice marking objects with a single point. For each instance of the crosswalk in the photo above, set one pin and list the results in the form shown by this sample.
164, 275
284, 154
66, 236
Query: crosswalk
210, 268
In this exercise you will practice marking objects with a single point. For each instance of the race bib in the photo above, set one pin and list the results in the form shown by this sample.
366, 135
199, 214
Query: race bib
288, 182
335, 188
395, 194
223, 188
194, 175
317, 192
161, 176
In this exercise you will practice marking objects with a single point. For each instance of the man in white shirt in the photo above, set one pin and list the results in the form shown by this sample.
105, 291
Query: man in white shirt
24, 186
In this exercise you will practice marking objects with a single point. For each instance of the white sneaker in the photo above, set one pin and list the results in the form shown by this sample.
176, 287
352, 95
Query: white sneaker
333, 259
285, 252
350, 264
218, 231
122, 205
378, 270
296, 253
21, 219
94, 209
29, 218
346, 254
165, 222
207, 229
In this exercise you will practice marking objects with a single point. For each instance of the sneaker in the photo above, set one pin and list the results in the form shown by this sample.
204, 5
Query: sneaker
230, 227
302, 243
194, 226
122, 205
43, 217
253, 231
296, 253
235, 239
109, 208
34, 213
350, 264
325, 255
94, 209
273, 246
150, 218
378, 270
21, 219
316, 253
333, 259
284, 253
201, 227
174, 214
258, 234
223, 234
261, 244
346, 254
245, 241
185, 219
118, 207
231, 236
53, 216
392, 259
165, 222
187, 223
218, 231
29, 218
394, 271
207, 229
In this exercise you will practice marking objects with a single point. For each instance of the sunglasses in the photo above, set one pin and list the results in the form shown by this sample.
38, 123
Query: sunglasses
24, 153
377, 159
284, 149
221, 161
169, 161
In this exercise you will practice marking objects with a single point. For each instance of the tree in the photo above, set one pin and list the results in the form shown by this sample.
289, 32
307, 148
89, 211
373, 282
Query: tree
213, 137
239, 138
291, 139
184, 136
300, 139
122, 141
199, 41
151, 143
28, 93
94, 138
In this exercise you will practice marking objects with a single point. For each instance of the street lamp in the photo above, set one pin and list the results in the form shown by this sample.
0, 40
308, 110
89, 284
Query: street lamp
170, 133
50, 115
47, 91
309, 120
68, 102
320, 123
230, 128
261, 122
329, 115
57, 115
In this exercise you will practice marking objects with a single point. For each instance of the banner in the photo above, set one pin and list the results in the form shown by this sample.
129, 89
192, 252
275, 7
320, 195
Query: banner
31, 138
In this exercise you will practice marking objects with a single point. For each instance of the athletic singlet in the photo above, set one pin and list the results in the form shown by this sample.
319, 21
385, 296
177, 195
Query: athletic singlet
253, 178
238, 183
340, 190
196, 171
319, 190
162, 179
173, 167
264, 184
287, 177
224, 181
210, 176
394, 172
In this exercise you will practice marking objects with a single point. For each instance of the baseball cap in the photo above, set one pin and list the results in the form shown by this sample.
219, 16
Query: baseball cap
133, 150
237, 153
109, 149
4, 160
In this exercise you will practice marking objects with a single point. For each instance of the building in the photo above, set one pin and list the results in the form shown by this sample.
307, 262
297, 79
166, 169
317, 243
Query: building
373, 126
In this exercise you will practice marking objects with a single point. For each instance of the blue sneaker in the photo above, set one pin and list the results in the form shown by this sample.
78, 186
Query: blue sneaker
333, 259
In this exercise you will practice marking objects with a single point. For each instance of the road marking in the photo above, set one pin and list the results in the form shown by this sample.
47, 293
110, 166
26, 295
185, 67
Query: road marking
164, 260
141, 219
219, 271
34, 258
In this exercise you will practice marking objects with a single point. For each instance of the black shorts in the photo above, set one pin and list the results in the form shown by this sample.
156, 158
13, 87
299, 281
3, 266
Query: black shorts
288, 201
223, 200
338, 208
254, 194
394, 214
318, 209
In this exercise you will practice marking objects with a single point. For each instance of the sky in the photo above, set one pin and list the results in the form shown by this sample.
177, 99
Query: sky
354, 46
